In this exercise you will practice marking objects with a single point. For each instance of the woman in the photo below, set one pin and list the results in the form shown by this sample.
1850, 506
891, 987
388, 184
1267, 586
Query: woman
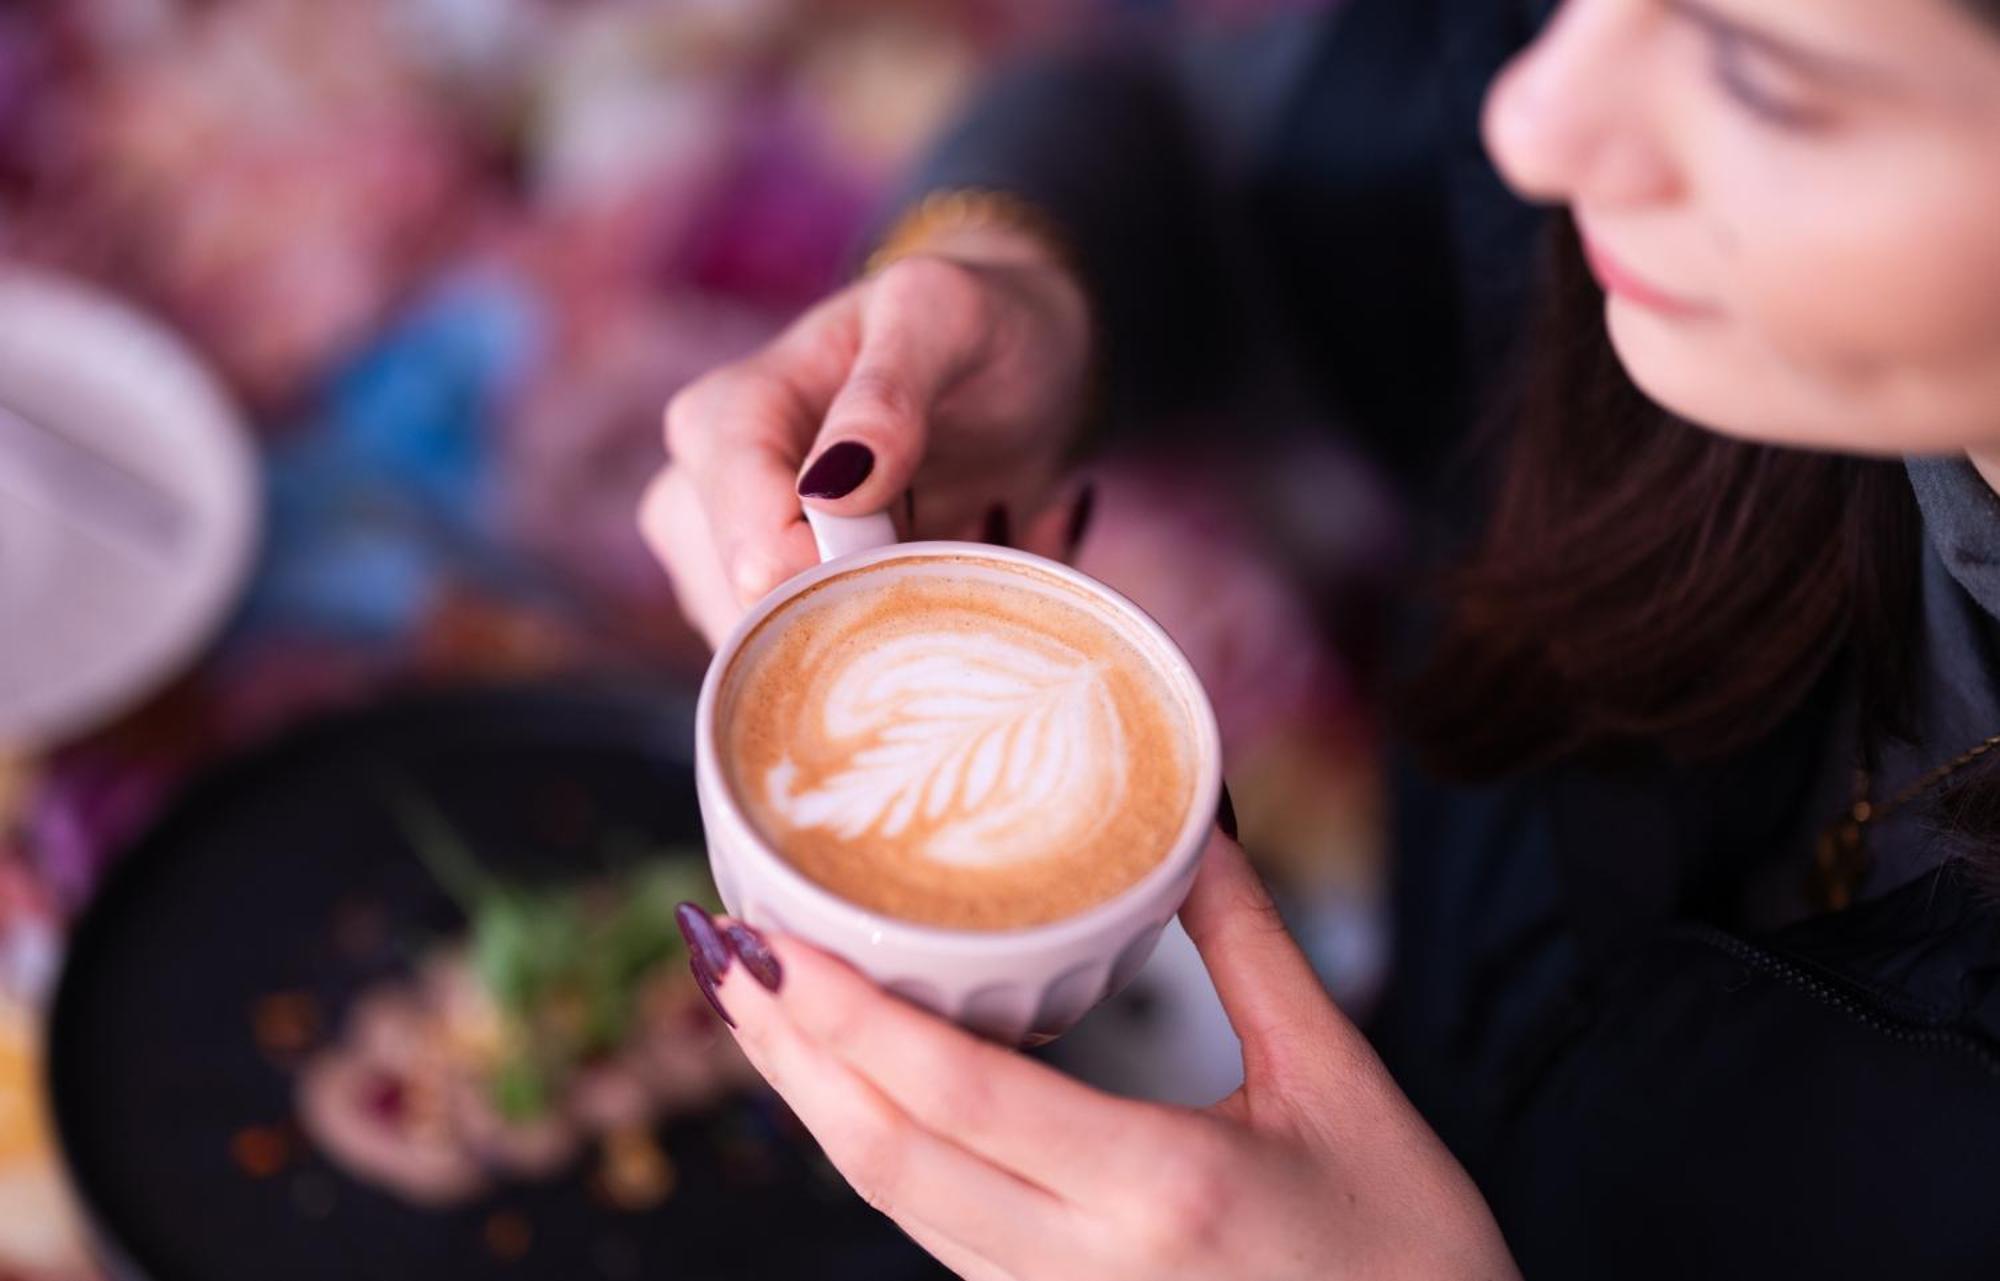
1696, 966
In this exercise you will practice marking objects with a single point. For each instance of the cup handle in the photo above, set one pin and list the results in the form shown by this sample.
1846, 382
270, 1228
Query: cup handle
839, 536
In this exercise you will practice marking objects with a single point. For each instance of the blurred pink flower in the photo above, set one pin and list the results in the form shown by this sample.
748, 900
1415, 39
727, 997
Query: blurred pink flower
268, 173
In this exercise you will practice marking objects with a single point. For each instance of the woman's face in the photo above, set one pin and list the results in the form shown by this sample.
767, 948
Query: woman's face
1793, 205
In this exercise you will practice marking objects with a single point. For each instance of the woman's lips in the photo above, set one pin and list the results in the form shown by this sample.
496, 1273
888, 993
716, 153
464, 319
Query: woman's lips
1619, 281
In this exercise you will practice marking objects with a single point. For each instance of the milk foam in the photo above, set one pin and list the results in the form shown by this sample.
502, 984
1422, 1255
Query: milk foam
958, 742
1005, 749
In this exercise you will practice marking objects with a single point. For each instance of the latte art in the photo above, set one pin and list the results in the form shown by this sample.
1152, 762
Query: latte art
957, 743
995, 750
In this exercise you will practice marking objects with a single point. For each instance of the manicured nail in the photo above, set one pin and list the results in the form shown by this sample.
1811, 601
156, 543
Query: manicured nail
838, 471
756, 954
706, 982
997, 527
1079, 519
705, 943
1225, 814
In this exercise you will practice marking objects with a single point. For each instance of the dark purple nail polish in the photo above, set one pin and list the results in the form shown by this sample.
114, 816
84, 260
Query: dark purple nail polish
705, 944
756, 954
1079, 519
997, 527
706, 982
838, 471
1225, 814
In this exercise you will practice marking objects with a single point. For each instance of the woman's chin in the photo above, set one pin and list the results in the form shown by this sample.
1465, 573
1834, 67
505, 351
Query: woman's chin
1712, 376
1695, 372
1670, 368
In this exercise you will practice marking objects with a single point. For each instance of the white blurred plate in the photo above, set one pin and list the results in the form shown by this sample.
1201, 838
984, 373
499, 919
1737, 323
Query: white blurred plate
128, 507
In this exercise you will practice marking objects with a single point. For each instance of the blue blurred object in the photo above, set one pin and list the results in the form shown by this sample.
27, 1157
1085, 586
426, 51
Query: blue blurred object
420, 403
389, 490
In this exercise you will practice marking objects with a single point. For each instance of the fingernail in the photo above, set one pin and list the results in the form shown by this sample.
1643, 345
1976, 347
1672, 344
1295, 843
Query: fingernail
996, 530
706, 982
1079, 519
705, 944
1225, 814
756, 954
838, 471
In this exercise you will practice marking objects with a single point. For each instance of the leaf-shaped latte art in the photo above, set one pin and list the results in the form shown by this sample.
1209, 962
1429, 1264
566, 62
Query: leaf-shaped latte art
978, 747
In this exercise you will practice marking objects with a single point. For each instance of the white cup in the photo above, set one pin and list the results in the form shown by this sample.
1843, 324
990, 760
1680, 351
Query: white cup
1019, 986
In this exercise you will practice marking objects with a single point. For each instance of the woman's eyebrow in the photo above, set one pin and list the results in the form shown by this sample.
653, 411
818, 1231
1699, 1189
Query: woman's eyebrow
1815, 62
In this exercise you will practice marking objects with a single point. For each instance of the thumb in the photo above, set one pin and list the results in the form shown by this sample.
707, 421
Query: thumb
1275, 1002
919, 328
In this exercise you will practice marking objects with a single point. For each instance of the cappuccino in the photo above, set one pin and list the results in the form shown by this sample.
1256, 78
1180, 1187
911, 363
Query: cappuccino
957, 742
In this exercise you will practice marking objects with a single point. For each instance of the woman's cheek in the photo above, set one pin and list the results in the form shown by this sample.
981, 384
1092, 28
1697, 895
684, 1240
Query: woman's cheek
1894, 261
1877, 298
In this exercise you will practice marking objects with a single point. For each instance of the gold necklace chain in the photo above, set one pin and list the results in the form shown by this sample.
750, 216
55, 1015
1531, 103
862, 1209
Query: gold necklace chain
1841, 859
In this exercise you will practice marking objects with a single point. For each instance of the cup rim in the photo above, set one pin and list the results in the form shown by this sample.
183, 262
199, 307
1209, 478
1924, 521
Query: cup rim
747, 842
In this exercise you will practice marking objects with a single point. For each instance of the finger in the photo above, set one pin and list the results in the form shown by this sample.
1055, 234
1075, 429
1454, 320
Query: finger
760, 533
1058, 530
741, 431
740, 434
921, 326
1023, 1116
677, 532
1275, 1002
840, 1114
935, 1189
962, 1262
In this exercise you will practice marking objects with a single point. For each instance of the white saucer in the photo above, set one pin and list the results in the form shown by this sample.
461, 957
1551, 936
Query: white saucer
128, 507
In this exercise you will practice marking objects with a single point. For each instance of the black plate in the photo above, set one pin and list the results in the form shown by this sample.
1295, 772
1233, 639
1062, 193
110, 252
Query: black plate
236, 893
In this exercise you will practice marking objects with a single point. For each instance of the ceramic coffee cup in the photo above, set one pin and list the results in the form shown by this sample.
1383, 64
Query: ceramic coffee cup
1018, 986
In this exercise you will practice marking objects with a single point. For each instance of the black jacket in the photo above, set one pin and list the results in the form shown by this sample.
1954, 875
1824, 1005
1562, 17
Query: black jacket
1646, 1077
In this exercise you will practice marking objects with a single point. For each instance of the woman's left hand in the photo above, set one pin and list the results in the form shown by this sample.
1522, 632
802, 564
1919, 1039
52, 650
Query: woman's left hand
1002, 1167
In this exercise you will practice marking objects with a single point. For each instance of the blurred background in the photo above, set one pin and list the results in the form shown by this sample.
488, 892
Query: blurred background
413, 280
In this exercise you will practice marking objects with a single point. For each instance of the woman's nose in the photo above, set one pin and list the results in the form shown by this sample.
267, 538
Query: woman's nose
1571, 120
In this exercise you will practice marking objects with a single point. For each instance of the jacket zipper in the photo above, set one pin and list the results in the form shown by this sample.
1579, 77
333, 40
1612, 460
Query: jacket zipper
1798, 977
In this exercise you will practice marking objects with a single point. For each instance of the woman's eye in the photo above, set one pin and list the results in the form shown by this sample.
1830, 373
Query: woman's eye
1771, 93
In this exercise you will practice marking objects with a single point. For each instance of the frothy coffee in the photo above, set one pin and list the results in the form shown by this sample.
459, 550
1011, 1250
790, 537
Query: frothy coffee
957, 742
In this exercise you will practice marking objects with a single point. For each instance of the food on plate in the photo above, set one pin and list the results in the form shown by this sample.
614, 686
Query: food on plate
564, 1022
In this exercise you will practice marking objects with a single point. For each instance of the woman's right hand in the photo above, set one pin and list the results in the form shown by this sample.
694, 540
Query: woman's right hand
955, 378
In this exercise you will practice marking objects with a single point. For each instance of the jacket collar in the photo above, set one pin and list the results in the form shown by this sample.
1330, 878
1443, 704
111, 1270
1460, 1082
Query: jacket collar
1962, 516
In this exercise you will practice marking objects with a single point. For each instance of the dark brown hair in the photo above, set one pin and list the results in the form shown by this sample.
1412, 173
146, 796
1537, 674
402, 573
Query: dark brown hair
1643, 583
